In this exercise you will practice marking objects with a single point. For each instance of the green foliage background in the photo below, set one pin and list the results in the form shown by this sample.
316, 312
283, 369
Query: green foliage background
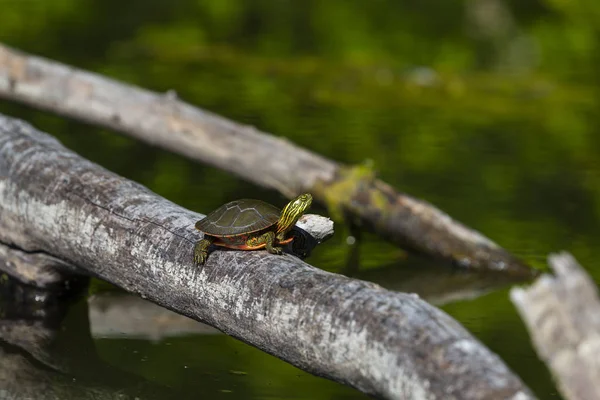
486, 108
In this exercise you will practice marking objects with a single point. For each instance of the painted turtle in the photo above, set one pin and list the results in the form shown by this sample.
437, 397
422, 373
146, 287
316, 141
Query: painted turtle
249, 225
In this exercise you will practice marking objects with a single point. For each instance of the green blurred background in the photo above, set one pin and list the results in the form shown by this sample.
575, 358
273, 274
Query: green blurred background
486, 108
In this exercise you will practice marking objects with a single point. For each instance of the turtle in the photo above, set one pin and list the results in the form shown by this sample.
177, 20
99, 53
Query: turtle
249, 224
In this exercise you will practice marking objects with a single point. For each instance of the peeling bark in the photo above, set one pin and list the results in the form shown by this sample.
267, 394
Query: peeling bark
562, 314
165, 121
387, 344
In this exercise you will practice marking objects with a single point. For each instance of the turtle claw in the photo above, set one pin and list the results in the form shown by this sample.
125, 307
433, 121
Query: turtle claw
201, 251
276, 250
200, 257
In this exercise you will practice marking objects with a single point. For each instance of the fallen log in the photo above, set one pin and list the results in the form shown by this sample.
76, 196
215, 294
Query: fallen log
390, 345
562, 314
167, 122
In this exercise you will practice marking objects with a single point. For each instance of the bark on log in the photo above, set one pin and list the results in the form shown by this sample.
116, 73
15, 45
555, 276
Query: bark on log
562, 314
165, 121
387, 344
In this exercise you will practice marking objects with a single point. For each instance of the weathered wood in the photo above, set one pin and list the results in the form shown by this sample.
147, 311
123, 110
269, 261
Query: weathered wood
387, 344
165, 121
562, 314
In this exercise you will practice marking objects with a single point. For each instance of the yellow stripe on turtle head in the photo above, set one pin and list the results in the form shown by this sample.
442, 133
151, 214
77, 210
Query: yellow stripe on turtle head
292, 211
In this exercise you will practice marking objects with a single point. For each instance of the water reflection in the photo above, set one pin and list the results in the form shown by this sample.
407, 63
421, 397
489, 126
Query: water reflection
47, 352
437, 283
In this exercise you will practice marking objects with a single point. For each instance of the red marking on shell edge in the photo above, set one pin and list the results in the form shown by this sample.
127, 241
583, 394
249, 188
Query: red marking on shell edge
244, 246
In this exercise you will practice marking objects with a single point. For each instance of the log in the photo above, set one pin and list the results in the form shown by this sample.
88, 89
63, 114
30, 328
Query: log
389, 345
165, 121
562, 314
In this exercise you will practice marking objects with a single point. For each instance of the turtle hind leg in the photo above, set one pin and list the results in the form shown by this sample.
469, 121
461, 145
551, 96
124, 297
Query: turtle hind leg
201, 250
268, 239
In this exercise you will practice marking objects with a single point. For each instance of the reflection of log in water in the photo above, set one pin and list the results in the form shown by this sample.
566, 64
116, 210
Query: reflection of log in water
127, 316
46, 353
435, 283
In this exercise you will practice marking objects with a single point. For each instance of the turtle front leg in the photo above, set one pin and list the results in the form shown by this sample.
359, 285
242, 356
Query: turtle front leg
201, 250
268, 239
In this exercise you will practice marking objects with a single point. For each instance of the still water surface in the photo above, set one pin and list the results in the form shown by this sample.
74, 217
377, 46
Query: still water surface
486, 109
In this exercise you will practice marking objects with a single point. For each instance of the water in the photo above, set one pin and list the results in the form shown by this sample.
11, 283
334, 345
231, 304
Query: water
486, 109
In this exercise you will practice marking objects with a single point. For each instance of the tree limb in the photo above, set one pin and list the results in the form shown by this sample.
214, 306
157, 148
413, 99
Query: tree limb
167, 122
387, 344
562, 314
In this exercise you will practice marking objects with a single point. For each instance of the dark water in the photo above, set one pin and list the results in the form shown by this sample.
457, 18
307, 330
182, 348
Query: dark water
488, 109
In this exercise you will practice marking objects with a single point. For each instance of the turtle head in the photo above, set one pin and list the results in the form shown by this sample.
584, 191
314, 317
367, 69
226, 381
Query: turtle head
292, 211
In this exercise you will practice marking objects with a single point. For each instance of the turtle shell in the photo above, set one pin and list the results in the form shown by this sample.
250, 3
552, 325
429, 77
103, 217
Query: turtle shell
239, 217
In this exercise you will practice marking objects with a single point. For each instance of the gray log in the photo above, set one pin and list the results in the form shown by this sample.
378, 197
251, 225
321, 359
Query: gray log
166, 121
562, 314
387, 344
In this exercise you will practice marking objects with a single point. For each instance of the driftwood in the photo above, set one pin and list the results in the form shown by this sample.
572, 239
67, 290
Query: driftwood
165, 121
562, 314
387, 344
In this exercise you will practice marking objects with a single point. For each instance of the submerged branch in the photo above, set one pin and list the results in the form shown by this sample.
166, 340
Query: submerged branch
167, 122
390, 345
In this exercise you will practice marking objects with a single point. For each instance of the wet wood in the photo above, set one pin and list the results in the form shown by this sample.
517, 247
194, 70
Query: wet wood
164, 120
390, 345
562, 314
